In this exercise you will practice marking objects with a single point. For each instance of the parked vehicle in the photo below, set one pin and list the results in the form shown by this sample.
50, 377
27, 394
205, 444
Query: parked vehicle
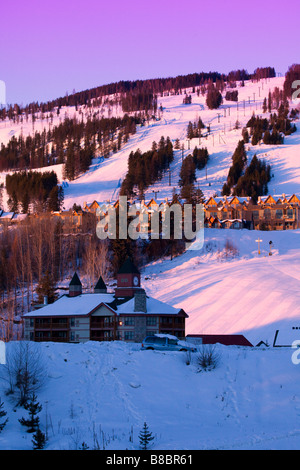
166, 343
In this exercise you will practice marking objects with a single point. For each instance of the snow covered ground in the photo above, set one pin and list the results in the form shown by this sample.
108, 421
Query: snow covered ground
104, 392
234, 292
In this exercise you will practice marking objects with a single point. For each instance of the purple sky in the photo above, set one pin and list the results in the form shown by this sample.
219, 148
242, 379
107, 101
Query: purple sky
49, 48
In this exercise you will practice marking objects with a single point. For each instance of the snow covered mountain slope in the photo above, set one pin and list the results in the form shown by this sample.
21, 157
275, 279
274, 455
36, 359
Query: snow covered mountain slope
234, 290
102, 181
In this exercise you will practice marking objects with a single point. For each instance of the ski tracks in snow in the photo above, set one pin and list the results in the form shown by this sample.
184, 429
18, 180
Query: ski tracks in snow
102, 383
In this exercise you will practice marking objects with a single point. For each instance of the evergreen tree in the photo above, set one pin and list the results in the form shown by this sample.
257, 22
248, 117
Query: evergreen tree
214, 98
145, 437
265, 105
33, 420
245, 135
46, 288
2, 415
13, 202
39, 440
177, 144
270, 102
226, 190
190, 131
52, 202
121, 249
25, 202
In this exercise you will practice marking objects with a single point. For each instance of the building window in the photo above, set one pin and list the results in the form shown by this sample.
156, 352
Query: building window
128, 335
129, 321
150, 321
72, 321
108, 321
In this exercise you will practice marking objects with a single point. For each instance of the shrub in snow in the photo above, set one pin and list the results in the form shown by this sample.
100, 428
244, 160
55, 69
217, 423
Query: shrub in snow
2, 414
84, 446
25, 370
208, 358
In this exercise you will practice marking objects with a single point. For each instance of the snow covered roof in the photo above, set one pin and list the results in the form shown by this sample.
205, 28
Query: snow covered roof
7, 215
19, 217
72, 306
154, 307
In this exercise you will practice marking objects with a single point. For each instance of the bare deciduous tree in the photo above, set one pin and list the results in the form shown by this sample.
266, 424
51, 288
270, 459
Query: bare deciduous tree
25, 370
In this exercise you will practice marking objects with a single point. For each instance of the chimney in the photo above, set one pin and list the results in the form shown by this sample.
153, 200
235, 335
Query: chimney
140, 301
45, 300
75, 286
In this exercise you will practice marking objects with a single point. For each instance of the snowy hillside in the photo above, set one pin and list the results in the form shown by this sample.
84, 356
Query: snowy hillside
237, 290
102, 181
102, 393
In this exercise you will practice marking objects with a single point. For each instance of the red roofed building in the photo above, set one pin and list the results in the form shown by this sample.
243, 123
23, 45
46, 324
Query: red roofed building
227, 340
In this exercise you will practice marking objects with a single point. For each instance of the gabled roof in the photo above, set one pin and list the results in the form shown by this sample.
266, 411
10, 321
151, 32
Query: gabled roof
269, 200
152, 202
75, 280
154, 307
80, 305
294, 199
128, 268
211, 202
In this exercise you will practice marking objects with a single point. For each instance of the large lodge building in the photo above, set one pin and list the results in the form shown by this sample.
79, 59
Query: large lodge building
127, 314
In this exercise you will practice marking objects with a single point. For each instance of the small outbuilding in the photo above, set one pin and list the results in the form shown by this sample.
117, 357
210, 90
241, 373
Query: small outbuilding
227, 340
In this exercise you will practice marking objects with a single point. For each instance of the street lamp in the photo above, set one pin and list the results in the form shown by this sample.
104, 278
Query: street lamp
258, 241
270, 244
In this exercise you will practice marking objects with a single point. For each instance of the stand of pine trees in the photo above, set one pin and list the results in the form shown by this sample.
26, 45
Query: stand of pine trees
243, 180
39, 189
232, 95
195, 129
72, 142
271, 131
146, 168
200, 157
